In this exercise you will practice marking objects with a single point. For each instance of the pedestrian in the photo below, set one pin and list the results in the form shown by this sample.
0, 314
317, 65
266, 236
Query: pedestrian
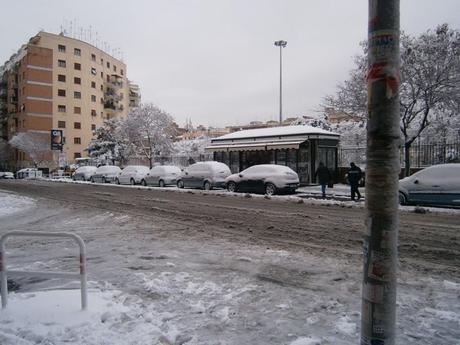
354, 175
324, 176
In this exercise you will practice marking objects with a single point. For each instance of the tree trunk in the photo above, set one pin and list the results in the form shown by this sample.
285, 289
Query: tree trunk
382, 171
407, 159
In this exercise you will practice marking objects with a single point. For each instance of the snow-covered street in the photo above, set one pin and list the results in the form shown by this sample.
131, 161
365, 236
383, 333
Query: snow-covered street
161, 274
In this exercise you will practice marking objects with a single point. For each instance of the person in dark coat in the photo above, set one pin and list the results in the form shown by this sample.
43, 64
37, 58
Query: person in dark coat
324, 176
354, 175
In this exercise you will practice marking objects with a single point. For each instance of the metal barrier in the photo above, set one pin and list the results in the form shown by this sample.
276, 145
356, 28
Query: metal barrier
4, 272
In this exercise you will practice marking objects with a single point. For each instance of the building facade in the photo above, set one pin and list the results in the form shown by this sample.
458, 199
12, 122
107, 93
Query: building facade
58, 82
301, 148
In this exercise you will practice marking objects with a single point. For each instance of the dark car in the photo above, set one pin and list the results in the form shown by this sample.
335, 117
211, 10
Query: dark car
264, 178
205, 175
436, 185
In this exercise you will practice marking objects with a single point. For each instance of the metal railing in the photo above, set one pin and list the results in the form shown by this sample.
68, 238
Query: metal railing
4, 272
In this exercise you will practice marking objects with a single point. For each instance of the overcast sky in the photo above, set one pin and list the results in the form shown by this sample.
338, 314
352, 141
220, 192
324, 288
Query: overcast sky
214, 61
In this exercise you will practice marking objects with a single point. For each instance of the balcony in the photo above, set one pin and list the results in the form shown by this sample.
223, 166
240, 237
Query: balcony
109, 105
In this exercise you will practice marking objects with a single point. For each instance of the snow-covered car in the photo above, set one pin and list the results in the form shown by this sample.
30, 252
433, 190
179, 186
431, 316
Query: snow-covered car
161, 176
132, 174
29, 173
435, 185
105, 173
264, 178
83, 173
205, 175
6, 175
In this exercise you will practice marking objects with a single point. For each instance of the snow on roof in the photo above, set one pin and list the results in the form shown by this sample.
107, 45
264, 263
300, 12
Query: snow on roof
276, 131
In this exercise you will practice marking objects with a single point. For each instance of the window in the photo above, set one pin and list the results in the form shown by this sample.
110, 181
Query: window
61, 92
102, 75
102, 61
93, 112
61, 108
77, 110
77, 95
93, 71
61, 63
77, 66
61, 124
93, 84
77, 141
93, 98
77, 125
77, 52
93, 127
61, 48
61, 77
93, 57
108, 64
77, 80
77, 155
121, 71
108, 78
114, 68
102, 87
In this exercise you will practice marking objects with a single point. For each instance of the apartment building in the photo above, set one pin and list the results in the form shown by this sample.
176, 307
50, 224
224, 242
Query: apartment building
58, 82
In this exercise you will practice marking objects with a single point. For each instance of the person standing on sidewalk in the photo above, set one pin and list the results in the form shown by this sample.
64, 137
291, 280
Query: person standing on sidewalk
324, 176
354, 175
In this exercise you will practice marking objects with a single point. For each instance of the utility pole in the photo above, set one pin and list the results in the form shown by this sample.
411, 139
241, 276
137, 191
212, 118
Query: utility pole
281, 44
378, 318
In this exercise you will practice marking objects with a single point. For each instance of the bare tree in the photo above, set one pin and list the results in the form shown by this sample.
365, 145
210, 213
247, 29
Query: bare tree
36, 145
151, 131
430, 83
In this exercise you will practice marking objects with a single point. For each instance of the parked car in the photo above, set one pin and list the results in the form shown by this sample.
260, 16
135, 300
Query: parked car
6, 175
205, 175
436, 185
264, 178
29, 173
83, 173
105, 173
161, 176
132, 174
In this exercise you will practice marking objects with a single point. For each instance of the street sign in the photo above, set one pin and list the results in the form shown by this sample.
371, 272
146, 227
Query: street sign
56, 139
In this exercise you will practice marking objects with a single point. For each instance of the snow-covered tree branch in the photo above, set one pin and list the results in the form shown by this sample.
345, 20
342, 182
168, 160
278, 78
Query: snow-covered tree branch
36, 145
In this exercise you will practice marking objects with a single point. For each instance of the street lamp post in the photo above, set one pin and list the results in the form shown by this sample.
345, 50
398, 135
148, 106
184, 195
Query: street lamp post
281, 44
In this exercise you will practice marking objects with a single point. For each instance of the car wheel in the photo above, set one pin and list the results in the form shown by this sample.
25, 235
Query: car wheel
161, 183
402, 199
207, 185
180, 184
117, 181
144, 183
231, 186
270, 189
132, 182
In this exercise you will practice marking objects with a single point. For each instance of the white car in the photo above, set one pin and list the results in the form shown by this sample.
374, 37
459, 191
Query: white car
132, 174
205, 175
161, 176
264, 178
6, 175
435, 185
83, 173
105, 173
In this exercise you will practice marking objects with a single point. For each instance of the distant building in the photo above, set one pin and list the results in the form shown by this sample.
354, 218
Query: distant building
335, 117
58, 82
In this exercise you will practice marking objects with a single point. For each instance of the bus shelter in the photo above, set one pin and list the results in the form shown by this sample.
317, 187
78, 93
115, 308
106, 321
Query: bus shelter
301, 148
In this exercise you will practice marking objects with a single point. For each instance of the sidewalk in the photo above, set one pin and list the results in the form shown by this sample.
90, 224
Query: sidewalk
339, 190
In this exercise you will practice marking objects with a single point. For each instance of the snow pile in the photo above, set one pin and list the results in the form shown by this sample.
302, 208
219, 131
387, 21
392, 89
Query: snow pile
10, 203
